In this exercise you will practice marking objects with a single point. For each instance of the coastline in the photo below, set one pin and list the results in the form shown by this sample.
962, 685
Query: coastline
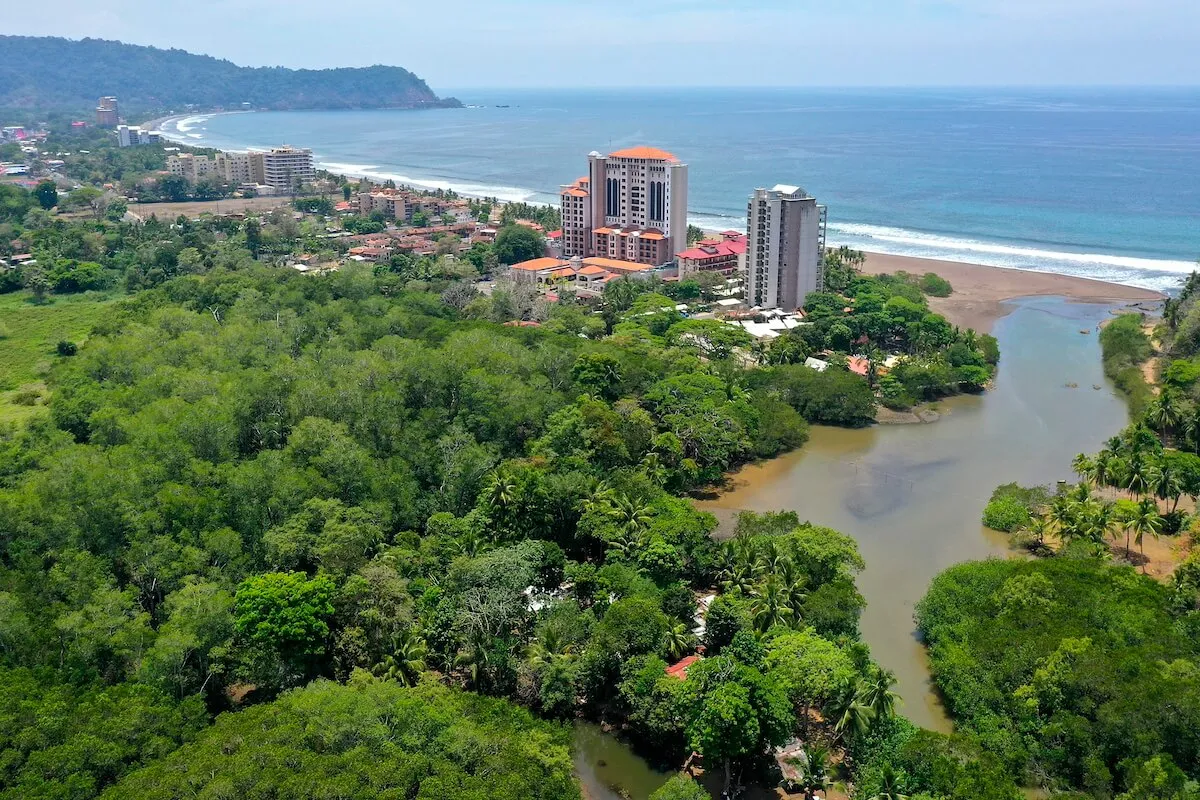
981, 293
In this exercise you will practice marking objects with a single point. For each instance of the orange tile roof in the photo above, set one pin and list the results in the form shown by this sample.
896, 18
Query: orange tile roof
653, 236
604, 231
615, 265
538, 264
564, 272
573, 192
645, 152
680, 670
592, 270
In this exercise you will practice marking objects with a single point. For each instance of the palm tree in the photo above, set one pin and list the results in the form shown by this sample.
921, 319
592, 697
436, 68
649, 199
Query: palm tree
889, 785
876, 693
853, 715
679, 641
500, 492
1136, 478
1164, 484
1038, 528
1102, 468
814, 767
1145, 520
770, 606
474, 661
406, 662
632, 516
740, 577
1084, 467
550, 647
770, 557
794, 585
1164, 413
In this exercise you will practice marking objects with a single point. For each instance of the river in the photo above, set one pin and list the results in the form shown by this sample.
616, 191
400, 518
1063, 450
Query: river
912, 495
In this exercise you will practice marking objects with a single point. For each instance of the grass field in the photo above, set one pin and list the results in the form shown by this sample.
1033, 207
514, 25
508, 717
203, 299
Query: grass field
29, 334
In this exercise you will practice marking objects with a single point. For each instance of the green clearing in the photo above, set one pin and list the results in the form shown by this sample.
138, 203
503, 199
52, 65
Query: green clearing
29, 332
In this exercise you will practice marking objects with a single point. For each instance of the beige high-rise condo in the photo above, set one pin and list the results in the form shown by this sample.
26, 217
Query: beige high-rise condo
785, 247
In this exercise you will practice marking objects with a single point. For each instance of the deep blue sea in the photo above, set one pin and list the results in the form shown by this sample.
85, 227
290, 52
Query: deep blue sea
1099, 183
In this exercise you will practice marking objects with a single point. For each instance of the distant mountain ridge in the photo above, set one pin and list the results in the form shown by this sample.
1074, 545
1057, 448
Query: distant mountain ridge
47, 72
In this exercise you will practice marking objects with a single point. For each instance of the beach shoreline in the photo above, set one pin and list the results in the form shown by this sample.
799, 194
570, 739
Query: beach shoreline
981, 293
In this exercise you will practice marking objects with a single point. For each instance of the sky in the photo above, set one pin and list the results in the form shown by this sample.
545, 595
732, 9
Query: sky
620, 43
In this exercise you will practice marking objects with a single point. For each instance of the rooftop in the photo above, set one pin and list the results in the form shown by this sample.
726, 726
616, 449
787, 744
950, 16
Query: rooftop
649, 153
615, 264
538, 264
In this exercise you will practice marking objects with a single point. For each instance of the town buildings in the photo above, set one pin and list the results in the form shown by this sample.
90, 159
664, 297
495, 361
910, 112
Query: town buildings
132, 136
580, 273
785, 247
631, 206
282, 168
724, 254
107, 115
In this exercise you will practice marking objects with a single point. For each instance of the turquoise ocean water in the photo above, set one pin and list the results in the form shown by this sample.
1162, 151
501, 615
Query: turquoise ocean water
1097, 183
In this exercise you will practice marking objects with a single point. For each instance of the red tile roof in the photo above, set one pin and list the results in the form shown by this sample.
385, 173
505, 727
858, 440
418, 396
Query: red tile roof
554, 235
652, 153
714, 248
859, 366
680, 670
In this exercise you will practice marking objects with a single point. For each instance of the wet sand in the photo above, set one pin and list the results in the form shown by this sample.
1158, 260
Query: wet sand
980, 293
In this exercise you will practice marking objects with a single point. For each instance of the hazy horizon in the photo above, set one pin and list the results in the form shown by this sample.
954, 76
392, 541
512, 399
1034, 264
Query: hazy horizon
537, 44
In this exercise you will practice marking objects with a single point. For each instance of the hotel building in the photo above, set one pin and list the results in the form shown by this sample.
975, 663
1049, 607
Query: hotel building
631, 206
284, 167
785, 247
107, 115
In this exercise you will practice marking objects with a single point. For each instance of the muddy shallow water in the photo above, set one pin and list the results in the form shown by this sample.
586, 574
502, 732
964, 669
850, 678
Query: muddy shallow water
912, 495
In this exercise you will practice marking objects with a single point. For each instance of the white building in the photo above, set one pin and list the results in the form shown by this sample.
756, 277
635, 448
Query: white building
284, 167
632, 206
786, 247
132, 136
239, 167
192, 167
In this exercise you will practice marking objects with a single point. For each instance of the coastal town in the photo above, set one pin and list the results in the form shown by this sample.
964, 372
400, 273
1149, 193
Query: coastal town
579, 488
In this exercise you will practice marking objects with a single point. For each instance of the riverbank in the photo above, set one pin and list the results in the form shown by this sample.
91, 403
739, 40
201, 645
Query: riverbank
981, 294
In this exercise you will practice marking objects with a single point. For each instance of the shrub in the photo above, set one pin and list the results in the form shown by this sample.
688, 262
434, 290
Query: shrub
66, 348
26, 397
1006, 514
935, 285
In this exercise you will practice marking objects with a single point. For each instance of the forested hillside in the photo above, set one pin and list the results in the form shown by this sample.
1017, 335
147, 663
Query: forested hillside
51, 72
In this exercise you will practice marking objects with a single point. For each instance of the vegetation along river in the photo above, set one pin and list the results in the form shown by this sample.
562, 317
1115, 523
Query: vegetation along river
912, 495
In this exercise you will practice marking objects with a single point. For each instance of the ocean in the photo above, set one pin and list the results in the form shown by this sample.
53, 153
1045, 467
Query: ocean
1097, 183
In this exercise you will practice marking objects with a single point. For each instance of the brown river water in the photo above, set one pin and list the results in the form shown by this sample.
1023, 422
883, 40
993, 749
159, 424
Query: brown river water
912, 496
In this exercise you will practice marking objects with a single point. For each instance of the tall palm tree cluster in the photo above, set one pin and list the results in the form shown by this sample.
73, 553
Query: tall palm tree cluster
767, 574
1133, 462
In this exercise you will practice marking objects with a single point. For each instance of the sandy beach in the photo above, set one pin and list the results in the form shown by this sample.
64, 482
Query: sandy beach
980, 292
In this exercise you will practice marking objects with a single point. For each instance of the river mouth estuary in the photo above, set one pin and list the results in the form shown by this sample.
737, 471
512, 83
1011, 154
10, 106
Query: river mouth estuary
912, 495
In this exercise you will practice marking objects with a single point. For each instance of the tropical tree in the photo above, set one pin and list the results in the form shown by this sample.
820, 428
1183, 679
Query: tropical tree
1164, 413
1164, 484
770, 606
1085, 468
679, 641
876, 693
889, 785
1145, 520
853, 717
406, 662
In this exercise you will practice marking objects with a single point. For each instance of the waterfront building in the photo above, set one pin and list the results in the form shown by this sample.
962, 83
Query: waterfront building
132, 136
238, 167
724, 254
107, 115
785, 247
285, 167
191, 166
631, 206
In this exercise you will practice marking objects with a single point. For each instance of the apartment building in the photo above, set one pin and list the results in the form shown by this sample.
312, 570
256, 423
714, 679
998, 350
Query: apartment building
285, 167
192, 167
785, 247
391, 203
107, 115
239, 167
132, 136
631, 206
